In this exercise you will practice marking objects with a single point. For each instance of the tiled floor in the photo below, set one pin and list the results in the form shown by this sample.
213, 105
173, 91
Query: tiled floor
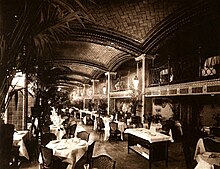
118, 151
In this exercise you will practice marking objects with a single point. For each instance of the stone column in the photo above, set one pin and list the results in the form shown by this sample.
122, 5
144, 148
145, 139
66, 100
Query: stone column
142, 59
109, 84
94, 89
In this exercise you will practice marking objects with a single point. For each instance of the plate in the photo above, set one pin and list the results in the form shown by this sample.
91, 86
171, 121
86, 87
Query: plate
21, 132
55, 141
61, 147
81, 143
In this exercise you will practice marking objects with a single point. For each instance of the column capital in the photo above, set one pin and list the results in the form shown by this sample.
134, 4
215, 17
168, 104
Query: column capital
93, 80
110, 73
144, 56
151, 57
85, 85
141, 57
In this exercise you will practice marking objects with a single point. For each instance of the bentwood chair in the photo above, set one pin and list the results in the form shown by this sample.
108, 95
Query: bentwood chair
47, 137
90, 153
103, 162
115, 134
45, 129
71, 130
211, 145
8, 153
87, 157
100, 127
84, 135
49, 161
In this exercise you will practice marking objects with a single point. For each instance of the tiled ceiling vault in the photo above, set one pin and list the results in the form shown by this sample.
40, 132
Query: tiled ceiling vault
123, 30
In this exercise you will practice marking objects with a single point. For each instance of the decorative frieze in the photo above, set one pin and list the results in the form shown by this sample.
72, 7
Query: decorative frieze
121, 94
190, 88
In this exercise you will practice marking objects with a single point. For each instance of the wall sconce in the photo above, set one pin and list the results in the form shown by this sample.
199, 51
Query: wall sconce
104, 89
90, 92
135, 82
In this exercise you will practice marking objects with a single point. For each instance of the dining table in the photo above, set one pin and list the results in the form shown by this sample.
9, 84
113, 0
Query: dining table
206, 159
70, 150
19, 138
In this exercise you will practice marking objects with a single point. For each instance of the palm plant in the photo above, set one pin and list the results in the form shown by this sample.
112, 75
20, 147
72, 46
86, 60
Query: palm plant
41, 23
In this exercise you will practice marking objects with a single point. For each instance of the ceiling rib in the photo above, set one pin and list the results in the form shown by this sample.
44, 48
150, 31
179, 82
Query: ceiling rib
100, 35
82, 62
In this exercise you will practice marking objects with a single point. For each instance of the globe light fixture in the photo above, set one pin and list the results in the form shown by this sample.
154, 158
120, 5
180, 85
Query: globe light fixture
104, 89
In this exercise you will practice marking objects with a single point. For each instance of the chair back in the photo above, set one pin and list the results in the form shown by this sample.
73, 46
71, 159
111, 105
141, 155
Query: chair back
100, 123
71, 130
47, 137
135, 119
211, 145
103, 161
47, 156
140, 125
45, 129
215, 131
113, 126
6, 141
90, 152
84, 135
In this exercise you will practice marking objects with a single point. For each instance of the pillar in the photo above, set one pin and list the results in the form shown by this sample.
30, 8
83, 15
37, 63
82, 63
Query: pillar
142, 59
109, 85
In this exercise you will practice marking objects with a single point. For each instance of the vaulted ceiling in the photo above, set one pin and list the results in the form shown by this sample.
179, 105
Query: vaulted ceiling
125, 29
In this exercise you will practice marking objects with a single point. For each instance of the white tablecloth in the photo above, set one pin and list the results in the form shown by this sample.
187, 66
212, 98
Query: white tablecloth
70, 149
18, 140
205, 160
147, 135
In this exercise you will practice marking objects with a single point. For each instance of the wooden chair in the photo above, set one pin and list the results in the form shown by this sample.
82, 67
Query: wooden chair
45, 129
115, 134
140, 125
49, 161
47, 137
211, 145
71, 130
89, 120
103, 162
8, 153
189, 140
84, 135
90, 153
87, 157
100, 127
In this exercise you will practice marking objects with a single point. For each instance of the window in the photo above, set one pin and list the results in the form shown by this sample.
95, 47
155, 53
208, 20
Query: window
211, 66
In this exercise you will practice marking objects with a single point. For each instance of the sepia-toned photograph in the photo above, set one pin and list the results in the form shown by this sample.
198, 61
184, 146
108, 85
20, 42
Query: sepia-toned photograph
109, 84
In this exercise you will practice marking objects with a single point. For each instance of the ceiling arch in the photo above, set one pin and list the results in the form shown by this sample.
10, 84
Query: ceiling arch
80, 62
122, 31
